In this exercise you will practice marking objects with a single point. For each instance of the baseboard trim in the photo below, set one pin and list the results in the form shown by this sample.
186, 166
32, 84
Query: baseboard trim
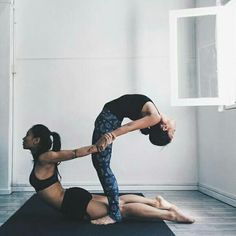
218, 194
210, 191
122, 187
5, 191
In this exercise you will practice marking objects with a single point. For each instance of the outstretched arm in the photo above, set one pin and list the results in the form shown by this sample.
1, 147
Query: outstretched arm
142, 123
66, 155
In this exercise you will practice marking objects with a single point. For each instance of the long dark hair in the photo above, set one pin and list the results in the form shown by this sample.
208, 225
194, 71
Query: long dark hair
157, 135
46, 143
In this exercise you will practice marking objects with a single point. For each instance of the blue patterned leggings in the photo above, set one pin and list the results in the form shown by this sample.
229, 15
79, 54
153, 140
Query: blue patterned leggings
104, 123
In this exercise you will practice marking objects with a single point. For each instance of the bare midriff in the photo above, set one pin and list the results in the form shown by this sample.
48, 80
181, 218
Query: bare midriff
53, 194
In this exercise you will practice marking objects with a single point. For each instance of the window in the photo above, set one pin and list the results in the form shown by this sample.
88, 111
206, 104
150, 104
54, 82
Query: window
202, 56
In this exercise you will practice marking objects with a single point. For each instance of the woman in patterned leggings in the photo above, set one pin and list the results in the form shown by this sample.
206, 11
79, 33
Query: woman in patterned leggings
146, 118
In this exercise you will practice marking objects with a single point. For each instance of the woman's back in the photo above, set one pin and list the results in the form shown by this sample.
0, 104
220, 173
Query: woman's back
129, 105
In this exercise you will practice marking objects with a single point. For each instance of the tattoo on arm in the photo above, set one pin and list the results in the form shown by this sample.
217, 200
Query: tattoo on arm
74, 152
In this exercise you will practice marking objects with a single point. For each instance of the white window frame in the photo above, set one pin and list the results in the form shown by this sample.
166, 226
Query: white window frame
226, 92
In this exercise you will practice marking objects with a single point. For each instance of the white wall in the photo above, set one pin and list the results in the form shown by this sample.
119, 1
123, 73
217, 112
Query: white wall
72, 57
5, 100
217, 149
209, 3
217, 135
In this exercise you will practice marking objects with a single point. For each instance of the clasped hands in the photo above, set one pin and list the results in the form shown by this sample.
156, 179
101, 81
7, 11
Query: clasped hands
105, 140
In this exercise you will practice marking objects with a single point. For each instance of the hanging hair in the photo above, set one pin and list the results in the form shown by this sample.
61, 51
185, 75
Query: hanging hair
157, 135
56, 142
145, 131
46, 143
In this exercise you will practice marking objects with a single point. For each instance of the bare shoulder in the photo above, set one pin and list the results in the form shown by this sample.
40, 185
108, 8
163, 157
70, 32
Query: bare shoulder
150, 109
44, 169
47, 157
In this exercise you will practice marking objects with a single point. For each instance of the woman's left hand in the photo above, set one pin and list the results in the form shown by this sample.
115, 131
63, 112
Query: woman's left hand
104, 141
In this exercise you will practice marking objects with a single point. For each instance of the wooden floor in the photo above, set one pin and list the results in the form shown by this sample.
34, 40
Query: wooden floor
212, 216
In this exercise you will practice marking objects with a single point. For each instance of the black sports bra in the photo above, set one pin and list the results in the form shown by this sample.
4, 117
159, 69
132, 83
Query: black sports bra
39, 184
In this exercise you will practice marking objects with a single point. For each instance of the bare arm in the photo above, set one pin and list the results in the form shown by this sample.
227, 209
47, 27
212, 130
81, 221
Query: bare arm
66, 155
142, 123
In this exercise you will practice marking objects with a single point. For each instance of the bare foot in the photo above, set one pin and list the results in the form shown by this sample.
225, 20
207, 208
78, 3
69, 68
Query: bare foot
161, 203
103, 221
179, 216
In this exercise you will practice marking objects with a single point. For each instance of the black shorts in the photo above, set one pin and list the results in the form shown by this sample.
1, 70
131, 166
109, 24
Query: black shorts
75, 203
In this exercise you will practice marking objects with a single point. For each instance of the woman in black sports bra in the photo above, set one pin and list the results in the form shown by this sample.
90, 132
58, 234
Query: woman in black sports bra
77, 203
108, 125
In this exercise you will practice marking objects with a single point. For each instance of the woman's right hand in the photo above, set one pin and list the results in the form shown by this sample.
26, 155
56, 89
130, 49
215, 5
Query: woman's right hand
104, 141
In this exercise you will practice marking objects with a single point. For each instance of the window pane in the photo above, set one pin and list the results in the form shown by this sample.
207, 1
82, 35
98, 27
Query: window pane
197, 57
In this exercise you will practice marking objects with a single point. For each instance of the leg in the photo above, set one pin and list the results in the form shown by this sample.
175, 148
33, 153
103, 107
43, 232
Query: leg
101, 161
146, 211
109, 184
97, 209
159, 202
127, 198
100, 198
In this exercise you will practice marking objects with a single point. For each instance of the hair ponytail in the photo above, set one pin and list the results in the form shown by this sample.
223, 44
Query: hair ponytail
56, 146
56, 142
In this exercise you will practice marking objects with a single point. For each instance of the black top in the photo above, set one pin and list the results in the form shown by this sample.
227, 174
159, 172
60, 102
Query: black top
42, 184
129, 105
